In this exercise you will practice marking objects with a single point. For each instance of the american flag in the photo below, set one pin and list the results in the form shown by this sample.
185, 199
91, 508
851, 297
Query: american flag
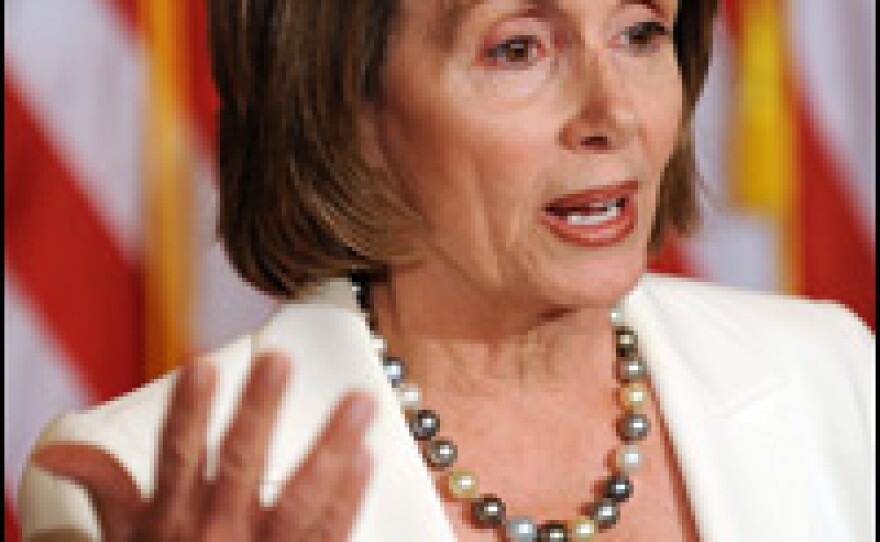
113, 273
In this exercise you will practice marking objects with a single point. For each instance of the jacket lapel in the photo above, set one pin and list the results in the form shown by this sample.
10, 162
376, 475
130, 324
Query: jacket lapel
329, 343
726, 406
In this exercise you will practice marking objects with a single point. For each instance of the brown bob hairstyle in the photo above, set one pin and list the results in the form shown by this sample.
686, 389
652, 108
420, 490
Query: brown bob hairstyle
297, 201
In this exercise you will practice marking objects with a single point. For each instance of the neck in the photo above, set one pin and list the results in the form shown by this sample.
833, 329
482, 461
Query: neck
457, 340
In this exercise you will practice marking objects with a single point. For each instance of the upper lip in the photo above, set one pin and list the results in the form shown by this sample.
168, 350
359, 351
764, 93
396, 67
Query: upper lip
595, 195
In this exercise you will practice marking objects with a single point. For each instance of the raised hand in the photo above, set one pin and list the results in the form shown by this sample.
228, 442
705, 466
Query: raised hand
318, 503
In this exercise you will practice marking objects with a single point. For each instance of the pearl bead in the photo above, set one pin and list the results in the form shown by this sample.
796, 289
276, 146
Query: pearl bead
395, 370
631, 369
423, 424
378, 343
361, 294
487, 511
634, 396
409, 395
633, 426
462, 484
618, 488
583, 528
521, 529
553, 531
441, 453
606, 513
617, 317
628, 458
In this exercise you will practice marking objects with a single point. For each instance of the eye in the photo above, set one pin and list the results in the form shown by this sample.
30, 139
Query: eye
518, 52
645, 36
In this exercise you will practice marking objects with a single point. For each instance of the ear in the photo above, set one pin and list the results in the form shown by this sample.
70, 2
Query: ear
369, 140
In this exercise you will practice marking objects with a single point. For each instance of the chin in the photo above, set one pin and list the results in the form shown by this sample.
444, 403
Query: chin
602, 280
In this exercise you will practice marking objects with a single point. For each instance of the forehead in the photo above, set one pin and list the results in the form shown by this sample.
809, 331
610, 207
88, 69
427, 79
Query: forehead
448, 14
459, 7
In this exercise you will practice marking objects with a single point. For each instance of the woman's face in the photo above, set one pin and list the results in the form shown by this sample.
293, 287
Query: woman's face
502, 119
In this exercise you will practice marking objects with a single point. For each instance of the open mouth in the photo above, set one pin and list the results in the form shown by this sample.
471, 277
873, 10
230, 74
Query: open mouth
590, 214
594, 217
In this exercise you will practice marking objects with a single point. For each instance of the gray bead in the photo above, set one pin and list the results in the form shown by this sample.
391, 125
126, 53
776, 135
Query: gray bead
631, 369
618, 488
606, 513
423, 424
395, 370
521, 529
441, 453
625, 340
633, 426
487, 511
553, 531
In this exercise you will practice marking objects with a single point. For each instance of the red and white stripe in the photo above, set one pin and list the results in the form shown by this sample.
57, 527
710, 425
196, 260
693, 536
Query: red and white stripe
74, 92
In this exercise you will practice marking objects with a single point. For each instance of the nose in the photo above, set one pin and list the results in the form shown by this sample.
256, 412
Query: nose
605, 116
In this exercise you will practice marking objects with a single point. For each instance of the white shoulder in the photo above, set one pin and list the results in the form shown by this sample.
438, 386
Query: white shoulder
127, 427
753, 309
821, 345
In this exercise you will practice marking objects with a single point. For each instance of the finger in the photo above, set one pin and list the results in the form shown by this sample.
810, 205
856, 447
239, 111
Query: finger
242, 455
182, 446
336, 510
339, 514
304, 496
114, 494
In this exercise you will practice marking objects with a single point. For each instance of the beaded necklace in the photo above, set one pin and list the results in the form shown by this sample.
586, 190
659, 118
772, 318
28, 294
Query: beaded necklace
488, 511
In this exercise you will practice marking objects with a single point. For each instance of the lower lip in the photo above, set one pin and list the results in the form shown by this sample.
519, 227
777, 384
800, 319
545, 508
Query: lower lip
595, 235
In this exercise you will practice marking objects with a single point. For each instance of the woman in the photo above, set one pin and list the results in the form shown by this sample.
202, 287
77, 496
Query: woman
491, 176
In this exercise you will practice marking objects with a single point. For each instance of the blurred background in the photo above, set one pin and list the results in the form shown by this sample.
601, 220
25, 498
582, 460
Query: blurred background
112, 270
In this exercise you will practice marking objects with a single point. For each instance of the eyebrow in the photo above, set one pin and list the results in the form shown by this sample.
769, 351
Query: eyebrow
448, 22
455, 12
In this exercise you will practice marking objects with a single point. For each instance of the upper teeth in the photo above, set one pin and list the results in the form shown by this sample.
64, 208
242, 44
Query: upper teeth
601, 205
599, 212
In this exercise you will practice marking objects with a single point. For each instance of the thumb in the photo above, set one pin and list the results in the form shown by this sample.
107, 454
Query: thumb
114, 494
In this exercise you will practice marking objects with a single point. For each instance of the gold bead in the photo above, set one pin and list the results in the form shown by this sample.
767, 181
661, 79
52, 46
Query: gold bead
462, 484
583, 528
634, 396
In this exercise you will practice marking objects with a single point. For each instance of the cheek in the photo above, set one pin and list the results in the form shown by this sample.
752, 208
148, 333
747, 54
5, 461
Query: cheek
501, 165
657, 100
661, 110
458, 164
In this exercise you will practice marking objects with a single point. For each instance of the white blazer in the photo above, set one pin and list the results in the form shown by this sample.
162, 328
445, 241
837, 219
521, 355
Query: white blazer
769, 402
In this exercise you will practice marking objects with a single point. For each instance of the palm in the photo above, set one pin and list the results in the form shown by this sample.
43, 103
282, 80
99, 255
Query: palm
186, 506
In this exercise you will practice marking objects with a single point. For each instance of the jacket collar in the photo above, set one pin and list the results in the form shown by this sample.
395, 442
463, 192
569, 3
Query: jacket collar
727, 407
326, 328
714, 394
